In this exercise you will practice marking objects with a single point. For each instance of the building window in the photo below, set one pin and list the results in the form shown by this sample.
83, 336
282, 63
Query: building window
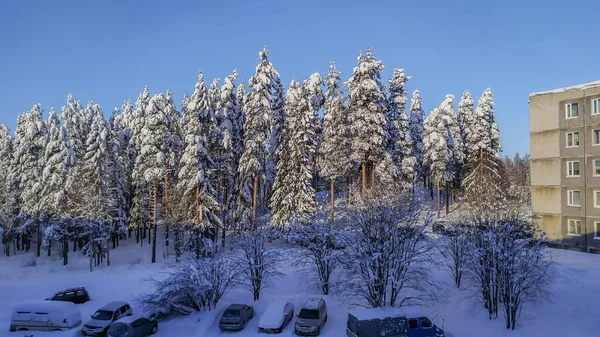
572, 169
597, 199
596, 168
574, 227
596, 230
572, 110
572, 139
596, 137
574, 198
596, 106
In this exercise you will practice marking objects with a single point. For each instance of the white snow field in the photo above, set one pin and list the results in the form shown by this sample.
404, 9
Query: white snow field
572, 308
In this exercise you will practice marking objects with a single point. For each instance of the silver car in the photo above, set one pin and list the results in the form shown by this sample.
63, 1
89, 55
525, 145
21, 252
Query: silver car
104, 317
235, 317
312, 317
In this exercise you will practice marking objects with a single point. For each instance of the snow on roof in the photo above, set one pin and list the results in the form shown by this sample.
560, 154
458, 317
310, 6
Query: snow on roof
565, 89
374, 313
312, 303
45, 306
276, 306
112, 306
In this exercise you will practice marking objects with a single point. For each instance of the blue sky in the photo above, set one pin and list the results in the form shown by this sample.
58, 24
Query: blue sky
107, 51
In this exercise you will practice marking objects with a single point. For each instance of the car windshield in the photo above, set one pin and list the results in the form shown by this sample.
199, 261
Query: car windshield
231, 313
103, 315
117, 330
309, 314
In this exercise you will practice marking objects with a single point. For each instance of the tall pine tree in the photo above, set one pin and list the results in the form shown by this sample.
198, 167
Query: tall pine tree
257, 128
367, 114
334, 159
415, 126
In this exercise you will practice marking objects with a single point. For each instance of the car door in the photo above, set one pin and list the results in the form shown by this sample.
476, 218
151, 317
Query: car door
138, 328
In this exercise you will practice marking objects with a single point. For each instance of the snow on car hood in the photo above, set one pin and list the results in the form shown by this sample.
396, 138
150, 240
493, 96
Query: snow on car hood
98, 323
271, 320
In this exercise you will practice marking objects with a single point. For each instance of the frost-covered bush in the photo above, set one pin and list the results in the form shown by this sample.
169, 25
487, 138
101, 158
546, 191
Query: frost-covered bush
258, 264
388, 259
319, 253
191, 285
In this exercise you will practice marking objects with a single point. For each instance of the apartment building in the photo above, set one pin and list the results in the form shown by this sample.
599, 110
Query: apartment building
565, 164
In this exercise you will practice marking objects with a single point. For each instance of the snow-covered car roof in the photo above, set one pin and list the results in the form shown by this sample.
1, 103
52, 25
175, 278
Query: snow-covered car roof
112, 306
312, 303
129, 319
364, 314
272, 317
44, 305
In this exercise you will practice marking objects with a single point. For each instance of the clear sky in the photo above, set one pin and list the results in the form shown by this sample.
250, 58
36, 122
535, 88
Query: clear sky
107, 51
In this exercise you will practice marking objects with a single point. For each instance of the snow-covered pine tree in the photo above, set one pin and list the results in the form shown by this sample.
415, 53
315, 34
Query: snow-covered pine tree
8, 191
93, 198
198, 194
154, 155
456, 145
277, 125
465, 114
59, 160
415, 126
437, 152
241, 203
483, 147
118, 151
88, 116
334, 158
257, 127
229, 114
174, 151
316, 100
123, 124
216, 147
402, 148
29, 146
293, 195
72, 120
139, 214
366, 108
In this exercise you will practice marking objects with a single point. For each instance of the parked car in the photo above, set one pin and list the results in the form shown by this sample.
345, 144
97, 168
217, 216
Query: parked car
312, 317
133, 326
235, 317
78, 295
104, 317
389, 322
276, 316
45, 316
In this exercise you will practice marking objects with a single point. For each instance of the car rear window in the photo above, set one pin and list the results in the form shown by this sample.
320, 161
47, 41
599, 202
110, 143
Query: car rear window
118, 330
231, 313
309, 314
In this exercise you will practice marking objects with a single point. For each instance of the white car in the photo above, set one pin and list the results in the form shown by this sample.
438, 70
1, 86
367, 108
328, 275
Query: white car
276, 316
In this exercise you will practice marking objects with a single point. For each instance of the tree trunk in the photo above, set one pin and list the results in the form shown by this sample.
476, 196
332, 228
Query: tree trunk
198, 219
154, 226
437, 178
177, 244
332, 202
373, 179
49, 248
314, 174
254, 200
447, 198
164, 208
107, 254
363, 189
39, 238
348, 184
65, 251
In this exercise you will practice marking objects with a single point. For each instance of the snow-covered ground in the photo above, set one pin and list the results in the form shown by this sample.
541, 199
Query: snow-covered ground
572, 308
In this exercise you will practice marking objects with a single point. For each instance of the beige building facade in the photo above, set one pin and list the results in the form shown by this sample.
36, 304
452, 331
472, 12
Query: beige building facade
565, 164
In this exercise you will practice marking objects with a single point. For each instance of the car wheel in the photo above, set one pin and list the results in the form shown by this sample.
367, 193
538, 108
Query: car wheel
154, 329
